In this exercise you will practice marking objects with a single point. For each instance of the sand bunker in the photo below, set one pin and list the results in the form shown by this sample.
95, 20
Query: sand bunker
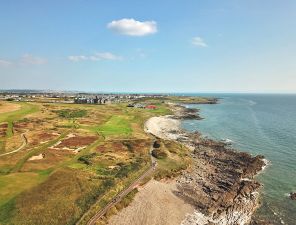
36, 157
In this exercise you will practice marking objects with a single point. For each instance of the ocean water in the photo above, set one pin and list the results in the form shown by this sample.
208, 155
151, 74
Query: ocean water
259, 124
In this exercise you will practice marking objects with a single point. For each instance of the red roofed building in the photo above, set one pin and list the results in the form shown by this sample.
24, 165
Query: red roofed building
151, 107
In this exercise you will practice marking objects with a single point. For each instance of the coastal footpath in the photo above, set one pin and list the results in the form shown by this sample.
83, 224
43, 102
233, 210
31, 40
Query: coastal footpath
218, 188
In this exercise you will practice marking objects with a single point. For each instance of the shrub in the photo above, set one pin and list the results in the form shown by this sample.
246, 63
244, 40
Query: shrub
86, 159
70, 114
126, 169
156, 144
159, 154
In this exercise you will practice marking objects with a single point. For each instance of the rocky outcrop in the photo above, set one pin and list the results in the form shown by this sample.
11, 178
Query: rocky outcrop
221, 185
181, 112
293, 195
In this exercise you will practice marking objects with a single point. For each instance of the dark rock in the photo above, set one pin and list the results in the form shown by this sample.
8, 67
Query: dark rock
159, 154
293, 195
217, 184
156, 144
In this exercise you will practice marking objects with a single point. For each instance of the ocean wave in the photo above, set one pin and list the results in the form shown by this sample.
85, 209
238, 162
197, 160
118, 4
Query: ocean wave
227, 141
267, 163
251, 102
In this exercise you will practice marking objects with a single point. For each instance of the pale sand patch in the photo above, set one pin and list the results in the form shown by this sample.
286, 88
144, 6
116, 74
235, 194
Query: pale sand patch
36, 157
8, 107
155, 204
70, 136
163, 127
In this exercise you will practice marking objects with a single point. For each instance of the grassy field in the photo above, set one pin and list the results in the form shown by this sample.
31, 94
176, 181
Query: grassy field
13, 184
77, 158
116, 125
10, 117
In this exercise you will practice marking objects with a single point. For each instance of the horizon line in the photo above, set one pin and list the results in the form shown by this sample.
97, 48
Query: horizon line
143, 92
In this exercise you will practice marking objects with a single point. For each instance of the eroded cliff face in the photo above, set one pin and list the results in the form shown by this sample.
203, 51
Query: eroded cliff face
220, 185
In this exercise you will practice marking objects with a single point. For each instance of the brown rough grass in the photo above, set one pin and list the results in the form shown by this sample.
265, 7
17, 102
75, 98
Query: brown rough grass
52, 157
8, 107
77, 141
59, 200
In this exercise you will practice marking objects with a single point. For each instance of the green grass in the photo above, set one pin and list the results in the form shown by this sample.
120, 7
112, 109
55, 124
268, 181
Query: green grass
45, 172
5, 169
116, 125
7, 211
70, 113
77, 165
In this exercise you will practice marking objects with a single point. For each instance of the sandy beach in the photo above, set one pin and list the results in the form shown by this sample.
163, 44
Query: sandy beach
164, 127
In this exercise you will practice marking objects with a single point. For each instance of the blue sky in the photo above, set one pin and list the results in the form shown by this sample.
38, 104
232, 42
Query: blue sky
148, 46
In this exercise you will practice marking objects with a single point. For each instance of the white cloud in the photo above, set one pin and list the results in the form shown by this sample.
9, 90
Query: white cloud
133, 27
77, 58
199, 42
28, 59
5, 63
105, 56
95, 57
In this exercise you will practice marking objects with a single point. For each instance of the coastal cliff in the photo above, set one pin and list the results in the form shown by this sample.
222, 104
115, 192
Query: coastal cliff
220, 183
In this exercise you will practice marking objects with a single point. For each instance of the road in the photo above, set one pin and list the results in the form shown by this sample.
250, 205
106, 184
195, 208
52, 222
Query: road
25, 141
126, 191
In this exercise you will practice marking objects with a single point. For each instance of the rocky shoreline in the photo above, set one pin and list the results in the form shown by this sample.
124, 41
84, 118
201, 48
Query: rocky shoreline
220, 184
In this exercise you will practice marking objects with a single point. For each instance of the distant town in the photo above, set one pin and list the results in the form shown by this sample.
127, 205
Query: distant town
75, 98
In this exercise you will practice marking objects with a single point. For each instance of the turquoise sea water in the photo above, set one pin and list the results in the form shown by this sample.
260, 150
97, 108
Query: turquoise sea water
259, 124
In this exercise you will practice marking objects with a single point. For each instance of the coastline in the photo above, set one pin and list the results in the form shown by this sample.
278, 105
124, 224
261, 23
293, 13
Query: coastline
221, 184
218, 188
